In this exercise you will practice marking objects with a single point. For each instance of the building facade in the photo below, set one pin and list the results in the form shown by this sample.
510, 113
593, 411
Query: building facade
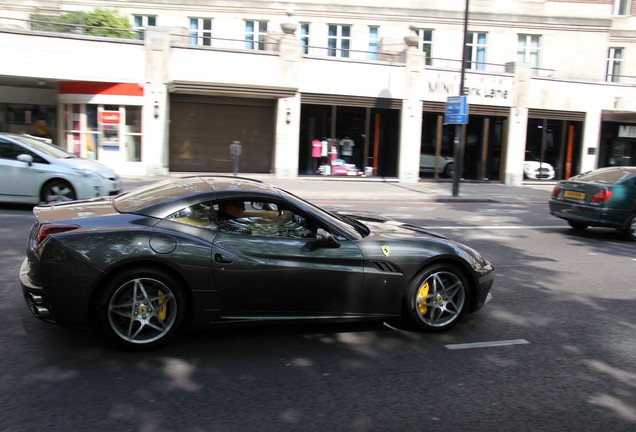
326, 88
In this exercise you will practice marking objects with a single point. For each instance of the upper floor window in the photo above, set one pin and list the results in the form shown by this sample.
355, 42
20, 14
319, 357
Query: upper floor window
622, 7
255, 32
476, 51
425, 44
374, 42
614, 64
339, 40
528, 48
140, 22
304, 37
200, 31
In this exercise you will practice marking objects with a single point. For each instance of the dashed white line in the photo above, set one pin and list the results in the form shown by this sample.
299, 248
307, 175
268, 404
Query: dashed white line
487, 344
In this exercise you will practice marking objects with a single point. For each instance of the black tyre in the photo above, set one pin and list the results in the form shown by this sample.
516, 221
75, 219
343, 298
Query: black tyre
437, 299
630, 229
141, 308
449, 170
57, 191
578, 226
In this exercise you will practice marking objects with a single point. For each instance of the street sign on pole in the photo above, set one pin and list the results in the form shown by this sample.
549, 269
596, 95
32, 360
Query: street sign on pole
456, 111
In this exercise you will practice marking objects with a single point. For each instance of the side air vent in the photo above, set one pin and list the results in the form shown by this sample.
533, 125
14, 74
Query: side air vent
386, 267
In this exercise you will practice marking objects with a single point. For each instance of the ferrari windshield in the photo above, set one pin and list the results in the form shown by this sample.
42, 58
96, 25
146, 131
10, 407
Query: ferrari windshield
352, 228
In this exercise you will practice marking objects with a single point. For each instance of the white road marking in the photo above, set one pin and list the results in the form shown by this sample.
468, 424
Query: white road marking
487, 344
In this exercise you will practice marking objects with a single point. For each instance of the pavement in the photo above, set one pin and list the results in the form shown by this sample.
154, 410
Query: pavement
320, 188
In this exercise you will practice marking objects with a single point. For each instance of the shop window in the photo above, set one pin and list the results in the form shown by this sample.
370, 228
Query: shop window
255, 32
614, 65
132, 134
557, 143
348, 141
528, 49
475, 51
109, 133
304, 37
38, 120
200, 31
339, 40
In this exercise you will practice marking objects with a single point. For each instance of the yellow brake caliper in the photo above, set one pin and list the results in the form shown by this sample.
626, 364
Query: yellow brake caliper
161, 313
422, 293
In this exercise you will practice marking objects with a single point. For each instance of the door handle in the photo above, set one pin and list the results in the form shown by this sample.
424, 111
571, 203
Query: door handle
221, 259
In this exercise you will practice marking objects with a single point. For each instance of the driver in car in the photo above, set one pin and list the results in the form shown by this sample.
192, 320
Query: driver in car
228, 214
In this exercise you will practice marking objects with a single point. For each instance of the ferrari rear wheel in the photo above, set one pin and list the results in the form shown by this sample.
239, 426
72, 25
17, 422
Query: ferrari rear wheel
437, 299
141, 309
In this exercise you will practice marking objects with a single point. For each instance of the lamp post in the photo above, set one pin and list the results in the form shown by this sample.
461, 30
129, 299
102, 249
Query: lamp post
458, 153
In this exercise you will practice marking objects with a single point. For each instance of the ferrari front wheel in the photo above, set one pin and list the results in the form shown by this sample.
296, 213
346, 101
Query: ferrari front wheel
437, 299
141, 309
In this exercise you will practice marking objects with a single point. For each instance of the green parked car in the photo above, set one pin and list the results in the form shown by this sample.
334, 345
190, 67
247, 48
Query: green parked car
605, 197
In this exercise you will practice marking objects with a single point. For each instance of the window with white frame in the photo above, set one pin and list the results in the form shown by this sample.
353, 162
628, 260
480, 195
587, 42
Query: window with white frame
304, 37
374, 42
622, 7
140, 22
476, 51
528, 49
200, 31
614, 65
339, 40
425, 44
255, 32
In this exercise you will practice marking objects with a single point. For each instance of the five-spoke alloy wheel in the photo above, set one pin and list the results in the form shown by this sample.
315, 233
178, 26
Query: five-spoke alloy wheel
141, 308
437, 299
57, 191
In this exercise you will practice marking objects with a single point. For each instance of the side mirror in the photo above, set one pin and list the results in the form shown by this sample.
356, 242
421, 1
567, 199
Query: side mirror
26, 158
325, 239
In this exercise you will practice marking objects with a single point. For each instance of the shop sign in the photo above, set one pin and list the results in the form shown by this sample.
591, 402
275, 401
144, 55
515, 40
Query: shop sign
626, 131
109, 117
486, 88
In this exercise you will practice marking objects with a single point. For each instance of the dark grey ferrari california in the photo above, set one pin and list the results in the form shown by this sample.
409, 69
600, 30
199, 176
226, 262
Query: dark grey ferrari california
193, 252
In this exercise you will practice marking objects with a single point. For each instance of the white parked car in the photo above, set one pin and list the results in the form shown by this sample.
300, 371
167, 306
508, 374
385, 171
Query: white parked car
33, 171
446, 164
534, 169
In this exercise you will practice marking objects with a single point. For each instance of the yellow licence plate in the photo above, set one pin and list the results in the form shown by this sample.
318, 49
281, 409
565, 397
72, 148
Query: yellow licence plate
574, 195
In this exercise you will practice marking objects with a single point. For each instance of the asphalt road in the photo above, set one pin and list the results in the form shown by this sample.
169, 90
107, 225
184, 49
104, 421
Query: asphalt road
553, 351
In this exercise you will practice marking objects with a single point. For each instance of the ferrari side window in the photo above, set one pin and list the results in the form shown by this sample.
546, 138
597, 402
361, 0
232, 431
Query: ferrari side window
266, 219
199, 215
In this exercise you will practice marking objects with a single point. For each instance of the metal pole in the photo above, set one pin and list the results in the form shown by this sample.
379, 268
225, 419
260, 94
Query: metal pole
458, 153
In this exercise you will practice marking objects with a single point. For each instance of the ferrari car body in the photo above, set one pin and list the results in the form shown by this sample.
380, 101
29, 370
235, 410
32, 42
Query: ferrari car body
140, 266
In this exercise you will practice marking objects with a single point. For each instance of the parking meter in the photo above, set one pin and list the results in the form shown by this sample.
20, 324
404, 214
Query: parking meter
235, 151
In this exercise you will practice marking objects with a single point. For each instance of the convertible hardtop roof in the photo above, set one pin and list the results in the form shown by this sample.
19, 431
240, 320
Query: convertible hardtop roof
156, 199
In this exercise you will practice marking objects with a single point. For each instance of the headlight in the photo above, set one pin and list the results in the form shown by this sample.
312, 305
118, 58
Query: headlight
88, 173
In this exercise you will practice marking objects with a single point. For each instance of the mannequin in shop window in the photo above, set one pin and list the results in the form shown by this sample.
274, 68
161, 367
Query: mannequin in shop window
346, 148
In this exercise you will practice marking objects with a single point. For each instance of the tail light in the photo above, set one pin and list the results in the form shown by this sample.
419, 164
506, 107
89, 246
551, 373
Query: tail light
601, 196
48, 229
555, 192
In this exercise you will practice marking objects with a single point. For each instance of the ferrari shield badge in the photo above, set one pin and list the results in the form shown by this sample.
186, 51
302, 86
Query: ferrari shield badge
386, 250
